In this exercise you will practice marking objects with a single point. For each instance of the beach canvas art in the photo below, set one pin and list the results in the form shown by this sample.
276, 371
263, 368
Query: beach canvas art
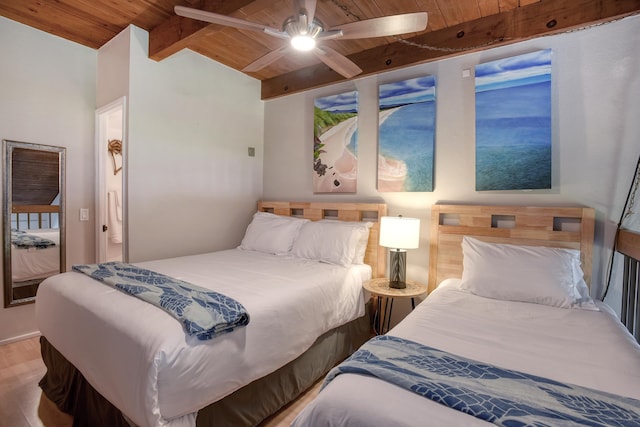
406, 135
335, 164
513, 123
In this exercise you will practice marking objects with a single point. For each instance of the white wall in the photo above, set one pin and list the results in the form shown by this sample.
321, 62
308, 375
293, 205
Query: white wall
596, 135
112, 80
47, 96
191, 185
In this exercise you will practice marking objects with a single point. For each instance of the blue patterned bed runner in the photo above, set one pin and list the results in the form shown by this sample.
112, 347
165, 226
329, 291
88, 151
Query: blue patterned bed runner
24, 240
203, 313
500, 396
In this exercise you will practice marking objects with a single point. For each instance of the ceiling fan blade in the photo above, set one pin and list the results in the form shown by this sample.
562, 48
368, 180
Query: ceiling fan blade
337, 62
384, 26
267, 59
216, 18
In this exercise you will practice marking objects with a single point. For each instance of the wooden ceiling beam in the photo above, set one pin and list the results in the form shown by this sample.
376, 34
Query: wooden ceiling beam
177, 32
534, 20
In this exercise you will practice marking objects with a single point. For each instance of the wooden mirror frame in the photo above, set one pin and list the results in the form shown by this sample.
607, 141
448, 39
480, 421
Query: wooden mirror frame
9, 209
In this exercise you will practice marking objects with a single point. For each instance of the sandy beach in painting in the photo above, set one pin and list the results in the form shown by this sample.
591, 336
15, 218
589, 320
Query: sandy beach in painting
343, 166
392, 173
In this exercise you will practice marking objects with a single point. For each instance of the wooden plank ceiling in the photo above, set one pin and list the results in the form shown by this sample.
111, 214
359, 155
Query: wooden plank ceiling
454, 27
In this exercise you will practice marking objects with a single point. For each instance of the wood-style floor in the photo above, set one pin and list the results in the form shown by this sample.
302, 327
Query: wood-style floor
22, 403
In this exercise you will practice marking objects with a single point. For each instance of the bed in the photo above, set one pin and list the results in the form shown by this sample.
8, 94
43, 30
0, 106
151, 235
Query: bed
35, 245
35, 254
305, 316
466, 329
35, 248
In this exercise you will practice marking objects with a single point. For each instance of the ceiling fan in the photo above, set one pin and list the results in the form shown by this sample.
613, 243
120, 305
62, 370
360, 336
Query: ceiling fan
304, 30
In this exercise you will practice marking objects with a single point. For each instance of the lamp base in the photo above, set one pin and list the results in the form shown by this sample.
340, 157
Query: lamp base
397, 284
397, 268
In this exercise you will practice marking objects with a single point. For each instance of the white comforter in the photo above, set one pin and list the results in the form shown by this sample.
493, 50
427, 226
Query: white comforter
139, 358
588, 348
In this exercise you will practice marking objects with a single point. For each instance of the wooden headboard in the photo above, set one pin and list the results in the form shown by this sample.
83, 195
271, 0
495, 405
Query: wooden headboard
564, 227
370, 212
42, 213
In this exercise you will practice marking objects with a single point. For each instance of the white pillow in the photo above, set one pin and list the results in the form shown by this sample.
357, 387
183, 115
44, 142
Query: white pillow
273, 234
362, 233
333, 242
535, 274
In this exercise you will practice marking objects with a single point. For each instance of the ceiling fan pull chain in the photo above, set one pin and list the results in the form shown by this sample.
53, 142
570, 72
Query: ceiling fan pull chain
449, 49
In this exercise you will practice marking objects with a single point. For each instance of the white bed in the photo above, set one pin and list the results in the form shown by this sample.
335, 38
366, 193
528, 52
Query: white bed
581, 346
138, 357
36, 263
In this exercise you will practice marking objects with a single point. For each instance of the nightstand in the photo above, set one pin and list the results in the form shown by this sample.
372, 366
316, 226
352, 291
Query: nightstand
380, 288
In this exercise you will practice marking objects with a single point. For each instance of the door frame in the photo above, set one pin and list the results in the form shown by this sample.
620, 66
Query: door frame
101, 144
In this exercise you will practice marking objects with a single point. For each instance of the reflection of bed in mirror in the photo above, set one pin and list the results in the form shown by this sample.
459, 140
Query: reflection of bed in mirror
35, 261
35, 251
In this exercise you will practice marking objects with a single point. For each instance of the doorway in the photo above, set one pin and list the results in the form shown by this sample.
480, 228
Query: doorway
110, 194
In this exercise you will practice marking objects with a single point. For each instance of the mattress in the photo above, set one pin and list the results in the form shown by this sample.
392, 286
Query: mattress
139, 358
582, 347
31, 264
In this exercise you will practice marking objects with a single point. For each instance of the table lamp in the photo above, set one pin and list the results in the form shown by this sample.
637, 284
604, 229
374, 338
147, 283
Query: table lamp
399, 234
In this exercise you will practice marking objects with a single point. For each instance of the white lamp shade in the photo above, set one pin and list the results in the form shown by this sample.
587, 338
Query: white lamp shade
398, 232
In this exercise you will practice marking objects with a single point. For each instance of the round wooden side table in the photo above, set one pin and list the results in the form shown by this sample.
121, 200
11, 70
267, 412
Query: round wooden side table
380, 288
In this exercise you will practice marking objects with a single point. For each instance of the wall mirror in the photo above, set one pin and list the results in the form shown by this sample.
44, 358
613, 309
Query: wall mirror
33, 218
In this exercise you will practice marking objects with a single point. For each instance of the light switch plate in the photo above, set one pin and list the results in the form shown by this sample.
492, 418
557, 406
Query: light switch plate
84, 214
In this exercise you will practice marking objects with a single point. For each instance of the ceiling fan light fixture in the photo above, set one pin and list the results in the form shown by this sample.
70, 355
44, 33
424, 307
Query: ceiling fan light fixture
303, 35
303, 42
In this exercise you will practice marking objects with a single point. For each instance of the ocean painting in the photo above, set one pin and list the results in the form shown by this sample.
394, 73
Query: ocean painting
513, 123
406, 135
335, 162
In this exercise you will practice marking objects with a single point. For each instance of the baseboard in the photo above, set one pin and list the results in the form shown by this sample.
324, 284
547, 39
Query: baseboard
20, 338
